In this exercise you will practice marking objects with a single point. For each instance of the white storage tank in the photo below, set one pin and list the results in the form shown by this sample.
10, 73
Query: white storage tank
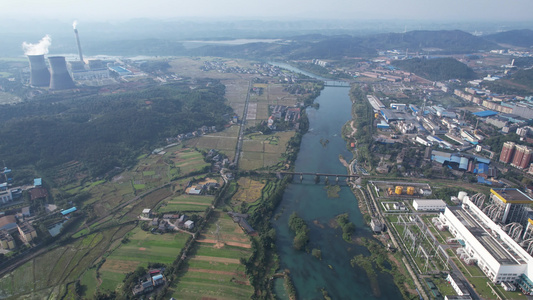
461, 195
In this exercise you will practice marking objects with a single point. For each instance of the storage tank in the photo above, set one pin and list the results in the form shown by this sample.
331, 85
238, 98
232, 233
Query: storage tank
410, 190
60, 77
461, 195
398, 190
39, 74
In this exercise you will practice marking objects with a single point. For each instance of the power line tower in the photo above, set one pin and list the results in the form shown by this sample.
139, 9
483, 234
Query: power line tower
218, 237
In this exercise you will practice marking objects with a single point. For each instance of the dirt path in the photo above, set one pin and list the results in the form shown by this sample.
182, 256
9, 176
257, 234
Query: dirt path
216, 259
248, 246
211, 271
193, 203
354, 130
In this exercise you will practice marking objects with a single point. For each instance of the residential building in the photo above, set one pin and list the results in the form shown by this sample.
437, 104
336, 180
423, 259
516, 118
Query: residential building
189, 224
506, 155
27, 232
6, 240
8, 223
522, 156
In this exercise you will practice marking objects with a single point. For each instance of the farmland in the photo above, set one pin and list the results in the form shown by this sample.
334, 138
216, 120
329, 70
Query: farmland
108, 241
48, 274
213, 269
140, 249
186, 203
249, 191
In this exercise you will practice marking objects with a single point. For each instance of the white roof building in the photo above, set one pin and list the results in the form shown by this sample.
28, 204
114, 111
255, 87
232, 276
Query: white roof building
189, 224
499, 257
429, 204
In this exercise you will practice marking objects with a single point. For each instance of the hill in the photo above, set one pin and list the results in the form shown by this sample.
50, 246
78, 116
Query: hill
523, 77
440, 41
106, 131
437, 69
340, 46
521, 38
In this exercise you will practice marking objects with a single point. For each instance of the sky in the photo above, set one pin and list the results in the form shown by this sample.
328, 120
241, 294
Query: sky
121, 10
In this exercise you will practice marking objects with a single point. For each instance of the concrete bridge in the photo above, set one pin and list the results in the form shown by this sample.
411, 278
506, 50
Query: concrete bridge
337, 83
318, 175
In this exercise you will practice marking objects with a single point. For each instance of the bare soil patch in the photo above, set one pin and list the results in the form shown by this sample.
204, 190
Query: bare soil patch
216, 259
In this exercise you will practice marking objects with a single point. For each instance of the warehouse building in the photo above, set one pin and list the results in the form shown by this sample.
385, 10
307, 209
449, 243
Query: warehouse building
429, 205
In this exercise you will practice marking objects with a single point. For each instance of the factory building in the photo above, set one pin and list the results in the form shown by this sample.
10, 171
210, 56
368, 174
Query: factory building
377, 105
499, 257
429, 205
509, 205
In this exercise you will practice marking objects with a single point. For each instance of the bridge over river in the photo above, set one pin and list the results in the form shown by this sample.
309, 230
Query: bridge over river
318, 175
337, 83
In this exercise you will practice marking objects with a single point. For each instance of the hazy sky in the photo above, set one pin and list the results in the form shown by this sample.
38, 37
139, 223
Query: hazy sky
119, 10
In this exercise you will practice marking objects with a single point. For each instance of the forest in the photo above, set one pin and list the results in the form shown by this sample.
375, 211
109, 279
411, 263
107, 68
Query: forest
106, 131
437, 69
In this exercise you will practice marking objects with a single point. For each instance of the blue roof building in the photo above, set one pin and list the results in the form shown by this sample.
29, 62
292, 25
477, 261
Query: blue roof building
68, 211
485, 113
38, 182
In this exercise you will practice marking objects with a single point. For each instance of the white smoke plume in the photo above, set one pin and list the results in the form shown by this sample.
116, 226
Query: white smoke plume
37, 49
75, 24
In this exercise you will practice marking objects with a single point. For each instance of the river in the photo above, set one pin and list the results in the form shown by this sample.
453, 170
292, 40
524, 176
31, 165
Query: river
310, 201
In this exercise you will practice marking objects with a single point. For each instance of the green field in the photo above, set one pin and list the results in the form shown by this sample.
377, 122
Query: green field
145, 247
54, 269
214, 270
186, 203
142, 248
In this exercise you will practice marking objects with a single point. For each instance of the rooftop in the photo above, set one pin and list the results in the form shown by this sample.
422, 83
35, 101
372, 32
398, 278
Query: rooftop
429, 201
26, 227
494, 245
7, 220
511, 196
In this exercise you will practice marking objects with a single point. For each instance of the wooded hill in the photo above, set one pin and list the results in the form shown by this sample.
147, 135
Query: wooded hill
436, 69
104, 132
521, 38
336, 47
308, 46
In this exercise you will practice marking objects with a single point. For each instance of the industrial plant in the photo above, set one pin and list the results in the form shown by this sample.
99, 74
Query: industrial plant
496, 235
60, 74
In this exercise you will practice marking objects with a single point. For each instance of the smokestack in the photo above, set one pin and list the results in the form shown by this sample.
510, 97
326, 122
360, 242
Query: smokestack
79, 45
39, 74
60, 79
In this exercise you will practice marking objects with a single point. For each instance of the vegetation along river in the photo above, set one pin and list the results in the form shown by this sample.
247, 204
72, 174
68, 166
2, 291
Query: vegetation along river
333, 273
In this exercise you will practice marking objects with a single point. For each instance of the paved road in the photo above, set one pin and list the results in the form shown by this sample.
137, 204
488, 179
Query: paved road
241, 129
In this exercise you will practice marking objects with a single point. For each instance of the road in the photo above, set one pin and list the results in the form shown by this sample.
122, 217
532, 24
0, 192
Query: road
241, 129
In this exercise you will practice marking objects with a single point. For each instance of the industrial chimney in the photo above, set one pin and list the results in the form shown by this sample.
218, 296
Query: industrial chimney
39, 74
60, 79
79, 45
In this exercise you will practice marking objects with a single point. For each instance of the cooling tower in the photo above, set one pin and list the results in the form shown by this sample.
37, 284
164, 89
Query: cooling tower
39, 74
60, 79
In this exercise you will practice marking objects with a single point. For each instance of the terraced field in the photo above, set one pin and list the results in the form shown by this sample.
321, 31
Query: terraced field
47, 274
142, 248
213, 270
